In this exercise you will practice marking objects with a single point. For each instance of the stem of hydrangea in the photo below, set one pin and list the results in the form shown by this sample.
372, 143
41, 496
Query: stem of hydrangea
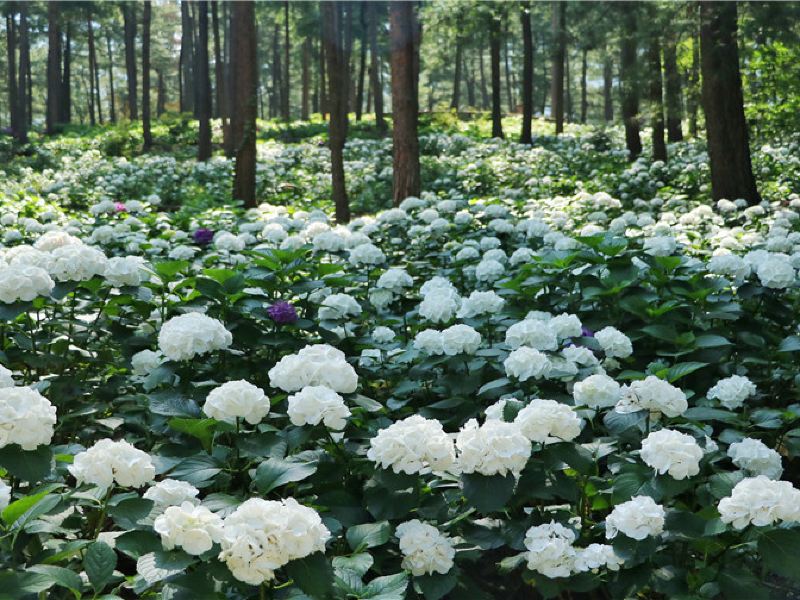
101, 517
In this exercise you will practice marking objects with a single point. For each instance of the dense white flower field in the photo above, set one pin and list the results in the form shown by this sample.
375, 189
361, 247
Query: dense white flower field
551, 370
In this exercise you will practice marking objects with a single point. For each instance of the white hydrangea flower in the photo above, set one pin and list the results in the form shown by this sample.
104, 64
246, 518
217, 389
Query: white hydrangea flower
107, 462
525, 363
776, 272
382, 335
395, 279
172, 492
5, 495
429, 341
755, 457
23, 282
655, 395
732, 391
6, 377
237, 400
489, 270
317, 403
565, 326
77, 262
595, 556
192, 334
460, 339
760, 501
532, 333
439, 307
125, 270
26, 418
146, 361
366, 254
413, 445
614, 343
673, 452
425, 549
261, 536
493, 448
637, 518
549, 549
597, 391
548, 421
193, 528
480, 303
317, 364
339, 306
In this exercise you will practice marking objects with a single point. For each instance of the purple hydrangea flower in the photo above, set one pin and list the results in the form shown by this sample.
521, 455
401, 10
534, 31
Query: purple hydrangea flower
203, 236
586, 332
282, 312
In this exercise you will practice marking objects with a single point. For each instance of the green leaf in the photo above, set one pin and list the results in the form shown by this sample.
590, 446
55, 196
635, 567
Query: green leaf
436, 586
17, 508
157, 566
60, 576
99, 563
197, 469
202, 429
739, 583
357, 563
389, 587
138, 543
790, 344
312, 574
711, 341
168, 269
368, 535
128, 513
28, 465
487, 493
275, 472
683, 369
706, 413
779, 549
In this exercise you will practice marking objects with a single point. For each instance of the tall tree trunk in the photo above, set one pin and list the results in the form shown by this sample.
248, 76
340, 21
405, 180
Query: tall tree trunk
527, 73
584, 100
629, 81
569, 105
129, 17
305, 79
512, 103
92, 64
455, 101
494, 52
558, 57
66, 80
405, 100
13, 96
28, 78
656, 98
469, 79
546, 91
227, 83
608, 83
203, 84
161, 93
323, 84
195, 57
276, 102
723, 104
146, 17
672, 79
362, 67
54, 82
219, 78
338, 80
375, 62
187, 59
243, 113
287, 88
482, 71
113, 104
694, 85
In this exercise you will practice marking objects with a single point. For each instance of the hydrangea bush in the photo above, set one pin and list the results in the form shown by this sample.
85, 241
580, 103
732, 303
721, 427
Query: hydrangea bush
539, 387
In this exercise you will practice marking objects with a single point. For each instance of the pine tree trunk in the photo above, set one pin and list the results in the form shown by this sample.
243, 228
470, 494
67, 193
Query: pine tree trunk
276, 102
187, 59
243, 113
129, 17
219, 78
375, 62
203, 84
54, 82
113, 104
723, 104
694, 85
66, 80
673, 88
568, 109
92, 64
362, 67
559, 51
584, 100
608, 83
527, 74
629, 81
656, 98
482, 71
338, 80
494, 54
323, 84
455, 101
469, 79
286, 83
512, 103
161, 93
305, 80
405, 100
13, 96
146, 17
227, 83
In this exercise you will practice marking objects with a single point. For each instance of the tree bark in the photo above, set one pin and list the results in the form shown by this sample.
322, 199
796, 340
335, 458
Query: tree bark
112, 100
527, 73
203, 83
323, 84
469, 79
608, 83
512, 102
276, 102
338, 81
219, 78
129, 17
656, 98
187, 59
286, 65
723, 104
694, 84
92, 65
375, 63
559, 51
54, 82
362, 67
243, 113
482, 71
66, 81
672, 79
305, 80
161, 93
494, 52
455, 101
227, 83
147, 133
584, 100
405, 100
13, 96
629, 81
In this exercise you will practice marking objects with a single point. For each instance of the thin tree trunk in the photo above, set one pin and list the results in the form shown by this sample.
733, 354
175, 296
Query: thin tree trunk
656, 98
92, 64
276, 102
305, 80
494, 52
227, 83
405, 100
629, 81
509, 83
527, 73
323, 84
608, 83
584, 100
129, 16
13, 96
375, 62
362, 67
672, 79
559, 52
113, 106
455, 101
723, 104
161, 93
338, 80
568, 112
694, 85
203, 84
243, 113
219, 78
148, 135
469, 79
66, 80
286, 65
482, 71
187, 59
54, 82
195, 57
